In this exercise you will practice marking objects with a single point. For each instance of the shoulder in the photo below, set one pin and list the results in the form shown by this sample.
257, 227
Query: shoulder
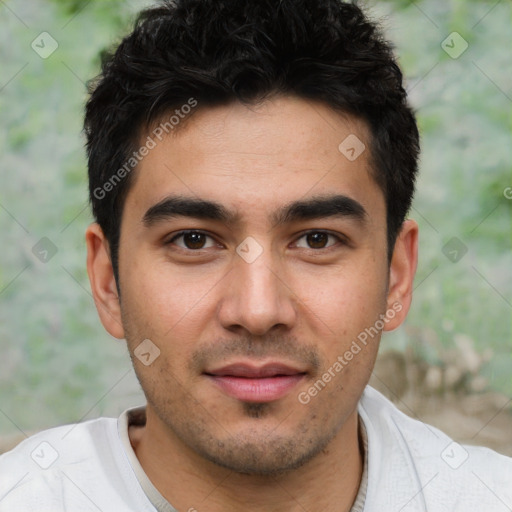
58, 445
434, 471
78, 464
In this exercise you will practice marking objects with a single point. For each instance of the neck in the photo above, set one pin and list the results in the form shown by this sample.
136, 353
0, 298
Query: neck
329, 482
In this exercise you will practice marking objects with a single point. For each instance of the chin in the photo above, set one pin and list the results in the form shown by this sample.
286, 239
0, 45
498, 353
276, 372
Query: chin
261, 452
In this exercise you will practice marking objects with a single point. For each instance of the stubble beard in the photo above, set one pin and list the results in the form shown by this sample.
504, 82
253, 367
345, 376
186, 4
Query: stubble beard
267, 448
258, 451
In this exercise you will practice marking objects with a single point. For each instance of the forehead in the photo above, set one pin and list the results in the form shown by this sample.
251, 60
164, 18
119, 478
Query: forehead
259, 157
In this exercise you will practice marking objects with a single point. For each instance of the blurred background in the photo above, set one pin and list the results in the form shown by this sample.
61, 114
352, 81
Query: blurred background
449, 365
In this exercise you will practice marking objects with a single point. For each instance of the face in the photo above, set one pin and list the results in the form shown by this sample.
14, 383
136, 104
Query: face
252, 256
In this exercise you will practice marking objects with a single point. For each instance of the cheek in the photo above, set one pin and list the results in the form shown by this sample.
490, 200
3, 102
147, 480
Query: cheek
345, 301
342, 311
165, 303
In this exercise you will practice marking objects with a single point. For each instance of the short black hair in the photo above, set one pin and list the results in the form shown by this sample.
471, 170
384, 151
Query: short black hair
214, 52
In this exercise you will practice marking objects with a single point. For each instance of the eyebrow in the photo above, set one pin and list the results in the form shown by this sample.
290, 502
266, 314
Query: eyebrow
318, 207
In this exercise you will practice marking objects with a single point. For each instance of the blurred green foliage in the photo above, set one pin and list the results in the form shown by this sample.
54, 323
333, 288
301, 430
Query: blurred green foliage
58, 364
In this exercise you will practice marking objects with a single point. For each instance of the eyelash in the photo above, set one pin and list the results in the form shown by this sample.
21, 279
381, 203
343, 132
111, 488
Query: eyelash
339, 239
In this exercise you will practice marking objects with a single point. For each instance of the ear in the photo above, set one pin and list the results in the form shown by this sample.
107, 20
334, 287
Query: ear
103, 284
401, 274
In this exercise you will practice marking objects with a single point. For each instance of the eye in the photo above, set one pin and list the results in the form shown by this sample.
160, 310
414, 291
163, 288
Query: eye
318, 240
192, 240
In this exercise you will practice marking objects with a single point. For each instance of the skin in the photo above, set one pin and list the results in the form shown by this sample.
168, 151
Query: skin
298, 303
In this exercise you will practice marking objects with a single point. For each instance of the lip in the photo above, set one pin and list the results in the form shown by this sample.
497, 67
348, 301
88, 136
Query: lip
250, 383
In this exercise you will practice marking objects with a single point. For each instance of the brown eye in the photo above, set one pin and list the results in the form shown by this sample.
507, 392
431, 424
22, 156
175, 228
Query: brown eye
318, 240
192, 240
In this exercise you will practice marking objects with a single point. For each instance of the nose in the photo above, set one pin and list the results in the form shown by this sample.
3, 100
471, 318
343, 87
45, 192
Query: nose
257, 297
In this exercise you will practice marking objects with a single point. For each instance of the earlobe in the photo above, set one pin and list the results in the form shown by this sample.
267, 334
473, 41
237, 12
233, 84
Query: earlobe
103, 284
401, 273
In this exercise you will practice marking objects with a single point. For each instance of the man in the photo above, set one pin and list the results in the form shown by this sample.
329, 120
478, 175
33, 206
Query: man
251, 166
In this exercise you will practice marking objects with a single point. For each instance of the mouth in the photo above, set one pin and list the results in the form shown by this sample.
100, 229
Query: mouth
251, 383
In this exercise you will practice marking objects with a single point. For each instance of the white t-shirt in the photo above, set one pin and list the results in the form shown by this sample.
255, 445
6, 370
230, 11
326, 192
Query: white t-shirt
411, 467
